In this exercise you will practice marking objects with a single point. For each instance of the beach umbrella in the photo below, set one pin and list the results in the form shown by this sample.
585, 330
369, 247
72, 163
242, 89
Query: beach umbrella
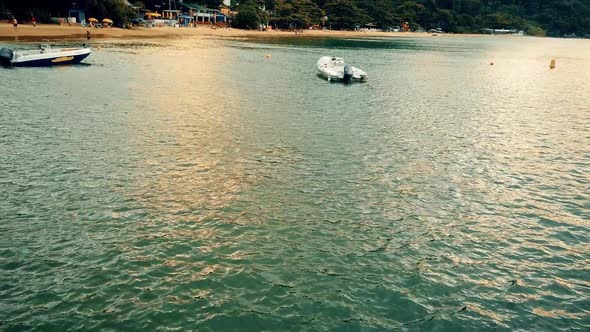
106, 20
92, 19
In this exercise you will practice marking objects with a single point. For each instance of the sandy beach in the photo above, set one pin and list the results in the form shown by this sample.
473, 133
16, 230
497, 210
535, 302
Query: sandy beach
28, 33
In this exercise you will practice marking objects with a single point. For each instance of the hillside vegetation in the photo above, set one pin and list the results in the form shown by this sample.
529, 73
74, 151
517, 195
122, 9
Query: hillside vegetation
536, 17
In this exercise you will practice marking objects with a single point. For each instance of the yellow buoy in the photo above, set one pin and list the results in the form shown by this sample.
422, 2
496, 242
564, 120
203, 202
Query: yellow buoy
553, 64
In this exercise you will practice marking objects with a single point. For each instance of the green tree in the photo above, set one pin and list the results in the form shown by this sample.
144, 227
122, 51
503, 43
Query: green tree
345, 14
296, 13
382, 12
538, 17
250, 16
116, 10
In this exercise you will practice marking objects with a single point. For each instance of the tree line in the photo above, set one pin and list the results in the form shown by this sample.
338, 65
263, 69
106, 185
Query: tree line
536, 17
42, 10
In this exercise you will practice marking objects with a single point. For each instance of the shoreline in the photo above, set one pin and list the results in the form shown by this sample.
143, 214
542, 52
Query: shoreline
51, 32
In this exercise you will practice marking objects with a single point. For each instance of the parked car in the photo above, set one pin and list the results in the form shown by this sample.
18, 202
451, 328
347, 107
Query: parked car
6, 16
139, 22
391, 29
437, 30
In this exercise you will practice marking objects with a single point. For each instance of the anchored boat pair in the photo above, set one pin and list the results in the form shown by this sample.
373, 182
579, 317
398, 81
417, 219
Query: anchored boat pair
335, 69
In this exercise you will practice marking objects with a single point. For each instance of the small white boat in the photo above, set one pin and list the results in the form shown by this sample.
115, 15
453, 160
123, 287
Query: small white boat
335, 69
500, 31
43, 56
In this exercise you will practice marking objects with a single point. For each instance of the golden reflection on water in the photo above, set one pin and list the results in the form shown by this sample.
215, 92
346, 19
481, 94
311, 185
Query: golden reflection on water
186, 161
473, 199
495, 316
192, 160
186, 98
558, 313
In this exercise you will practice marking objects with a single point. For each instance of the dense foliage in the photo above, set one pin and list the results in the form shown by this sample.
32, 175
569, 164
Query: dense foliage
554, 17
250, 16
42, 10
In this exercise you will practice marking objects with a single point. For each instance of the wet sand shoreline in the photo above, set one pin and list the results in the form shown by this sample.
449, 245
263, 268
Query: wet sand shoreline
46, 32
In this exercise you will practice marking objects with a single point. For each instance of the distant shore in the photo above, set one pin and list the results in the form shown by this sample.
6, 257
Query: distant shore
28, 33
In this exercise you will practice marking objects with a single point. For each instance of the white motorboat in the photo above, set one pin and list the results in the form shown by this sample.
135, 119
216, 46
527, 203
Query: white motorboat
335, 69
43, 56
500, 31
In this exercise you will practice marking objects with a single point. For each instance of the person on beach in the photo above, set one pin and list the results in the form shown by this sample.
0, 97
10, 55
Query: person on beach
15, 23
87, 35
34, 22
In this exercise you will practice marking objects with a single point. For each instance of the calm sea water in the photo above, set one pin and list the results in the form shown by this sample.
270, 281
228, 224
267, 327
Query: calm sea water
198, 185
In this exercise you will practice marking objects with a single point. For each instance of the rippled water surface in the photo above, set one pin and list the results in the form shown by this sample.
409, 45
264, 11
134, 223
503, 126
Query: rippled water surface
198, 185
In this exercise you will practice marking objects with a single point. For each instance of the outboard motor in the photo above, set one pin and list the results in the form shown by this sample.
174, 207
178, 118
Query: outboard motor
6, 56
348, 72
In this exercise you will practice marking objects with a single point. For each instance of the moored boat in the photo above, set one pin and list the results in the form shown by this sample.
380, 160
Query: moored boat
335, 69
43, 56
500, 31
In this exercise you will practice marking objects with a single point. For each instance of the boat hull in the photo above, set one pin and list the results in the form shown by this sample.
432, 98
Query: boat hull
43, 57
52, 61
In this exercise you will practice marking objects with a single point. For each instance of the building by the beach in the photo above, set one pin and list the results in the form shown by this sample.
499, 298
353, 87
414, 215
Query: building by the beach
197, 14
